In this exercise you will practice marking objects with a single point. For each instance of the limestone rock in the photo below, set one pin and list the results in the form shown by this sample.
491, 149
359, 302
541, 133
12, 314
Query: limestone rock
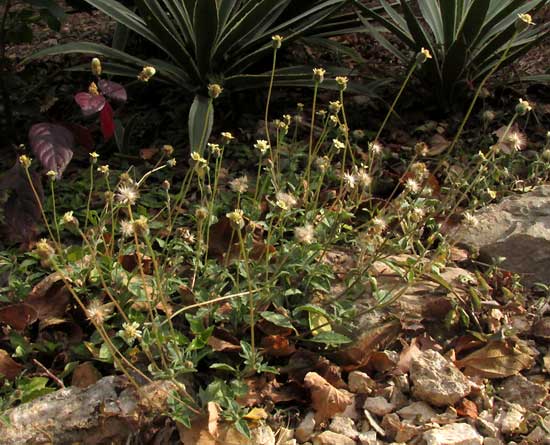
517, 228
360, 383
510, 419
263, 435
453, 434
344, 425
518, 389
378, 406
331, 438
417, 412
436, 380
368, 438
305, 428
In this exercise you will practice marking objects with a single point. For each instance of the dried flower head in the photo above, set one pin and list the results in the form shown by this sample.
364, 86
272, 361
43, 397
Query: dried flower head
319, 75
305, 234
94, 157
488, 116
215, 149
141, 225
378, 225
103, 169
214, 90
349, 181
239, 185
127, 193
25, 161
358, 134
97, 312
166, 185
126, 228
338, 145
375, 147
227, 137
68, 219
95, 66
261, 145
419, 170
236, 218
335, 106
146, 73
171, 162
130, 332
44, 250
277, 41
412, 185
168, 149
285, 201
201, 213
363, 178
322, 163
342, 82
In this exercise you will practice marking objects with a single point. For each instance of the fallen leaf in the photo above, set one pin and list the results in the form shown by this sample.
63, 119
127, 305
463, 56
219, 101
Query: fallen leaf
84, 375
438, 144
50, 298
130, 263
304, 361
277, 346
498, 359
18, 316
9, 368
360, 351
265, 389
256, 414
326, 400
148, 153
213, 418
219, 345
198, 434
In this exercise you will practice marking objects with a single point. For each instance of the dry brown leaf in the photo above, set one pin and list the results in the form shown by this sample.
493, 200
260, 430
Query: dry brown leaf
9, 368
84, 375
256, 414
213, 418
219, 345
50, 298
438, 144
498, 359
148, 153
326, 400
304, 361
18, 316
277, 346
467, 408
198, 434
359, 353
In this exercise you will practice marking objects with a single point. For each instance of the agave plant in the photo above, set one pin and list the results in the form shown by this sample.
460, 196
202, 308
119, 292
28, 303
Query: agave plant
466, 37
209, 41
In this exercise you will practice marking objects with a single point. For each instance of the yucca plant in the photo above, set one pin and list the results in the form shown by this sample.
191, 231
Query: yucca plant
466, 37
208, 41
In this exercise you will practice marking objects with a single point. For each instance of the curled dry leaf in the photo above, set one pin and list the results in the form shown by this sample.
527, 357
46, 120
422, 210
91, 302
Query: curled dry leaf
18, 316
9, 368
467, 408
498, 359
53, 146
277, 346
327, 401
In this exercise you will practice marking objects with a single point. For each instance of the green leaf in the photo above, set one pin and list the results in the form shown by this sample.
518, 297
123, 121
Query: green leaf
330, 339
201, 119
205, 22
277, 319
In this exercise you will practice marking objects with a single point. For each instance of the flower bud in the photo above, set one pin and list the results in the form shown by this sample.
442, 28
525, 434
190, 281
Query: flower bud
201, 213
52, 175
214, 90
168, 150
92, 89
342, 82
523, 22
25, 161
422, 56
546, 155
277, 41
319, 75
146, 73
96, 67
523, 107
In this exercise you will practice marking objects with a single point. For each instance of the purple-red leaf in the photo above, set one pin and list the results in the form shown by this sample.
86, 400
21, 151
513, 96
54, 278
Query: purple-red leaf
82, 136
113, 90
107, 122
90, 103
53, 146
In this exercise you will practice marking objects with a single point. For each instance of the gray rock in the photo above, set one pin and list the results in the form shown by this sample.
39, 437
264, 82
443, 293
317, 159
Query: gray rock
436, 380
378, 406
453, 434
492, 441
344, 425
330, 438
518, 389
263, 435
360, 383
517, 228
